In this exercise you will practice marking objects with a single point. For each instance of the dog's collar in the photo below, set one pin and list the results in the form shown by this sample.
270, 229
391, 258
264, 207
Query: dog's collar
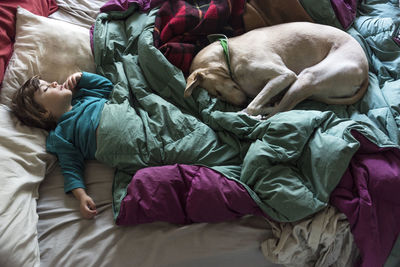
224, 43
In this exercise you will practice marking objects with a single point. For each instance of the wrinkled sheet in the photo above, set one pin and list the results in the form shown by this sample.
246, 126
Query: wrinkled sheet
322, 240
82, 13
66, 239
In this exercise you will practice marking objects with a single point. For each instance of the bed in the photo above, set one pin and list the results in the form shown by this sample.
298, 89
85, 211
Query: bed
316, 186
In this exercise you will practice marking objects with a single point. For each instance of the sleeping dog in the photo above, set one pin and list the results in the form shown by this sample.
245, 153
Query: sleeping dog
279, 66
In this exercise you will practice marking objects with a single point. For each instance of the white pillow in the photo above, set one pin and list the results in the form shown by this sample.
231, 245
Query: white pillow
50, 48
23, 161
53, 49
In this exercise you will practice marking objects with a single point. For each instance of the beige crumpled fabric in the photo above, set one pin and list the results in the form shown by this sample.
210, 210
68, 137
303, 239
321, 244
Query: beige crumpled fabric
322, 240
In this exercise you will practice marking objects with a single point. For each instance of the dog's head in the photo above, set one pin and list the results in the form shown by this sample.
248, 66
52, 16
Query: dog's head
218, 83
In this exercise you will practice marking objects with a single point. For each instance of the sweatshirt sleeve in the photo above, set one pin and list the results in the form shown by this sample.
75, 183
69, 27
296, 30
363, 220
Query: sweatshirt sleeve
70, 159
95, 84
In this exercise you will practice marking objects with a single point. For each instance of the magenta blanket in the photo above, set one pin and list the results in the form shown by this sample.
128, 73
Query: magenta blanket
368, 195
184, 194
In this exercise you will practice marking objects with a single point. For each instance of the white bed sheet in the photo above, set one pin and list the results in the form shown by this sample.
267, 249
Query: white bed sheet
82, 13
65, 239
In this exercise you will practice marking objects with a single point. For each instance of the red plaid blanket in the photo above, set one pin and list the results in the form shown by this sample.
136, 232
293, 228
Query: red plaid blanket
181, 27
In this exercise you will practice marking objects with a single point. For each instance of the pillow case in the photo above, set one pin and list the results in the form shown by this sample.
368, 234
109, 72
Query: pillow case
53, 49
7, 24
23, 165
50, 48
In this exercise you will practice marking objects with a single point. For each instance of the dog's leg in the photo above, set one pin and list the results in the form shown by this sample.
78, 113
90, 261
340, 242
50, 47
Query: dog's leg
334, 80
271, 89
299, 91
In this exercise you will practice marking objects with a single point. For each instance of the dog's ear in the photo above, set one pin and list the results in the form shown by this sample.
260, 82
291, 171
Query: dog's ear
193, 81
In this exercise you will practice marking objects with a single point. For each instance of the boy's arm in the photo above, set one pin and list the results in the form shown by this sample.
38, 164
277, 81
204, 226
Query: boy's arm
72, 166
95, 81
72, 169
97, 84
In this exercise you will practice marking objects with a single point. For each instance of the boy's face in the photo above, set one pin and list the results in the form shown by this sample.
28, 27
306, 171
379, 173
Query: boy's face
54, 98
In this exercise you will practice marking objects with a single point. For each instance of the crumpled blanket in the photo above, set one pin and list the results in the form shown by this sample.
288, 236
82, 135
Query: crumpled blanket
185, 190
322, 240
367, 195
375, 118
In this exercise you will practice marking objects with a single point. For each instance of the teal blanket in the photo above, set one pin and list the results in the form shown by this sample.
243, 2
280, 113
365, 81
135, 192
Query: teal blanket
289, 163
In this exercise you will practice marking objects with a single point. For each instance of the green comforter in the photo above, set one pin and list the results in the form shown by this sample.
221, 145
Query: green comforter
289, 163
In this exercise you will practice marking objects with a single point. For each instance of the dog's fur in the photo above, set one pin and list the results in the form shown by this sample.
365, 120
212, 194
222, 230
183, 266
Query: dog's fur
298, 60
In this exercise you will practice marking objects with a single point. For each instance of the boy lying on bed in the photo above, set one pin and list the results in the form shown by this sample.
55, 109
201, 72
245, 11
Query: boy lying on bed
77, 114
72, 122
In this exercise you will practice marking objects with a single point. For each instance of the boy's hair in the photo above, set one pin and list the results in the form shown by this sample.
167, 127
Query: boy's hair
28, 110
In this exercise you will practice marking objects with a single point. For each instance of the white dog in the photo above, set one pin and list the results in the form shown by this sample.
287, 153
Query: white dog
280, 66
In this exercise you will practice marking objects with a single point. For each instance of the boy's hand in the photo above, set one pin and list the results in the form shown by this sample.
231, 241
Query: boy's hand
72, 81
87, 206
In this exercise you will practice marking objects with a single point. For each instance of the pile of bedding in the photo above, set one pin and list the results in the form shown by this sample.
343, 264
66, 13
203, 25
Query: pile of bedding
292, 165
314, 173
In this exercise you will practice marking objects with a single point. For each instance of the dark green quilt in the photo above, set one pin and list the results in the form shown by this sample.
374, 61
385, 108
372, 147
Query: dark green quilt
290, 163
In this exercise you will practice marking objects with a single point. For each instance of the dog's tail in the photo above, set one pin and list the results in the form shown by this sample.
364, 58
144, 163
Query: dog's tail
351, 99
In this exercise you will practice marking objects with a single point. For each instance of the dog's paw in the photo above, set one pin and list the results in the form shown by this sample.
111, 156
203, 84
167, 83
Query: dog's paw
243, 111
251, 111
257, 117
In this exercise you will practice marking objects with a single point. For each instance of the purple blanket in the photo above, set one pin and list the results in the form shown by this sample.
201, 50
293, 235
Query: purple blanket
184, 194
122, 5
367, 195
345, 11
